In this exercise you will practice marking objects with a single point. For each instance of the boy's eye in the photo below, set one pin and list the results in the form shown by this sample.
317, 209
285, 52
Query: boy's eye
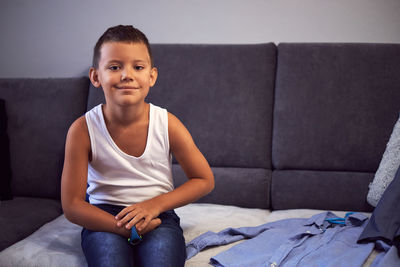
139, 67
114, 67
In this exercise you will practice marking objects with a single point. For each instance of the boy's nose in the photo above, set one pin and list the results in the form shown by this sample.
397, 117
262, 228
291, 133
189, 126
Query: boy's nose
127, 74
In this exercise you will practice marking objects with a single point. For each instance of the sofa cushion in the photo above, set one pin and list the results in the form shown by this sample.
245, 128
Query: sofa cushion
95, 97
40, 112
335, 105
387, 168
22, 216
5, 168
223, 94
242, 187
58, 242
320, 190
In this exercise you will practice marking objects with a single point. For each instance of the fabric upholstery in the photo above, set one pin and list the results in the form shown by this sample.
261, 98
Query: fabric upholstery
335, 105
95, 97
46, 248
5, 167
40, 112
22, 216
242, 187
320, 190
387, 168
223, 94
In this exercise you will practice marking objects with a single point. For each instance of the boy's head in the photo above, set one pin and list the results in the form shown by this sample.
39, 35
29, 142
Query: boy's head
120, 33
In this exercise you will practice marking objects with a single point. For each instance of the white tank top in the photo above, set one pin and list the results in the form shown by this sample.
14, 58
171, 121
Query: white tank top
117, 178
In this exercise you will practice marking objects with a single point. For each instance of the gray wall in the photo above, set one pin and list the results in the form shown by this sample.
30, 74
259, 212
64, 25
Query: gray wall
54, 38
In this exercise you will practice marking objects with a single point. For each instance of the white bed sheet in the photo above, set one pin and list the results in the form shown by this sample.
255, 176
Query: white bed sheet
57, 243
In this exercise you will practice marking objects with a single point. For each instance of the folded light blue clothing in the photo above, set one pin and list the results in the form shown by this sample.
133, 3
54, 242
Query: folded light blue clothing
388, 256
322, 240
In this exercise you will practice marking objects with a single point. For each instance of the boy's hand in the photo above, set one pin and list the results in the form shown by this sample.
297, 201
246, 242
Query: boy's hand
151, 226
140, 215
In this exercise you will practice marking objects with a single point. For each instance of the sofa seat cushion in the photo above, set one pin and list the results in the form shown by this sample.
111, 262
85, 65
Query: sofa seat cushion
22, 216
58, 242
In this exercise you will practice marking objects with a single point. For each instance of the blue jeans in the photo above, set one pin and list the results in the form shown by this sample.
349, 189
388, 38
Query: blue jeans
164, 246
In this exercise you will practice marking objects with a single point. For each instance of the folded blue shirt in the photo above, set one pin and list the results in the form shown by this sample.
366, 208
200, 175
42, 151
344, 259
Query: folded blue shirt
322, 240
388, 256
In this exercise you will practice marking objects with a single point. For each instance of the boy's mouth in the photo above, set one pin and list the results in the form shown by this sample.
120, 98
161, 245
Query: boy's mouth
125, 87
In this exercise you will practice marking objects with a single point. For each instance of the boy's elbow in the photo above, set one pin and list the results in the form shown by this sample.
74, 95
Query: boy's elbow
71, 216
68, 216
211, 183
68, 210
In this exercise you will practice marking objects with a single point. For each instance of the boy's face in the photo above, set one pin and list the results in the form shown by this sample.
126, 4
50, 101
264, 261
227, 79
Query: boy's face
124, 72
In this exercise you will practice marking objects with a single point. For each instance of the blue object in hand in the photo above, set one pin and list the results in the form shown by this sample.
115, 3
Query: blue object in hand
135, 237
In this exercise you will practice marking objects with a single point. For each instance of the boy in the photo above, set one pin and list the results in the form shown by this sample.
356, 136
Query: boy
122, 150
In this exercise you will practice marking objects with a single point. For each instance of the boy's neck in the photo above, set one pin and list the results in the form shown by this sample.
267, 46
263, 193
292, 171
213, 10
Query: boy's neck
126, 115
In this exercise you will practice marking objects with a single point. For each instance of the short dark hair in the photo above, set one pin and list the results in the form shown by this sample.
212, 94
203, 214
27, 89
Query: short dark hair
120, 33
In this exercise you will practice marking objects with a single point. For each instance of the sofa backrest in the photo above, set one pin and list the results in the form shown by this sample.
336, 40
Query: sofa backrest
39, 113
298, 126
224, 96
335, 107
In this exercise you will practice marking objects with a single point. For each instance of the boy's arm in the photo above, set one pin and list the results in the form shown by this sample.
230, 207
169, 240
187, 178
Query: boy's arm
74, 181
196, 168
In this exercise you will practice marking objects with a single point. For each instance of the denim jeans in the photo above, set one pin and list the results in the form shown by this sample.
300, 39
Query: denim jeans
164, 246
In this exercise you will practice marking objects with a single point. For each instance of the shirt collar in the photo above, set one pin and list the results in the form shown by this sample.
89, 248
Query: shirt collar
355, 219
318, 219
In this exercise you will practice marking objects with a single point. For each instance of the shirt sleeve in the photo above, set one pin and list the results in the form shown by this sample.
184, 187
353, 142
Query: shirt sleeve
384, 223
223, 237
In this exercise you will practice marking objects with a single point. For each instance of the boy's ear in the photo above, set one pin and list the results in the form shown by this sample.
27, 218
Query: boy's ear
94, 78
153, 76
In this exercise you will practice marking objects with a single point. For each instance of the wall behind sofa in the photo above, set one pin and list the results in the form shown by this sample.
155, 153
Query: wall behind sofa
54, 38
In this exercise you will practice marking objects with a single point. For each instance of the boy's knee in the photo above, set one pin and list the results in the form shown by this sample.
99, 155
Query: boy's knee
165, 242
107, 249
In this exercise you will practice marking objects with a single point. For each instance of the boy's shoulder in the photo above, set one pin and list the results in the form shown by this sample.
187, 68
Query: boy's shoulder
78, 136
176, 129
172, 120
79, 122
79, 127
171, 117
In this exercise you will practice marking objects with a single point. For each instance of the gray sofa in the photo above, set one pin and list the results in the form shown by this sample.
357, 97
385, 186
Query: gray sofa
288, 126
